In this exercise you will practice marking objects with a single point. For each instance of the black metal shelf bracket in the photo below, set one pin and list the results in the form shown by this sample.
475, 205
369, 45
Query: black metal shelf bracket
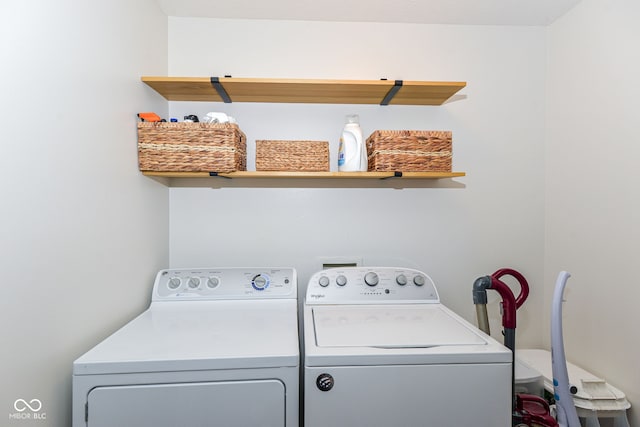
215, 82
396, 174
392, 92
217, 175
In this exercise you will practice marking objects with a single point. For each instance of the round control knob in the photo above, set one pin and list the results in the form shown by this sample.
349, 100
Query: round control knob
341, 280
194, 282
323, 281
401, 280
213, 282
174, 283
418, 280
260, 282
371, 279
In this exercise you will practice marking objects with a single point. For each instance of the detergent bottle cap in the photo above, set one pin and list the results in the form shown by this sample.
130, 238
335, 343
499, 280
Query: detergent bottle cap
353, 118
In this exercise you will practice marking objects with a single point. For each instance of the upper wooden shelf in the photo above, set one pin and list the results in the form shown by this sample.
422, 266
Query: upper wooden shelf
309, 175
255, 179
231, 89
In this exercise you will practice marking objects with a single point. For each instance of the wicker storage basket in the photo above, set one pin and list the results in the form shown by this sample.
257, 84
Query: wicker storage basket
191, 147
409, 151
304, 156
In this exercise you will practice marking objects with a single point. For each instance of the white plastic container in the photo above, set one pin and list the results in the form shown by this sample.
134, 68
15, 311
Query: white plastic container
593, 397
352, 153
528, 380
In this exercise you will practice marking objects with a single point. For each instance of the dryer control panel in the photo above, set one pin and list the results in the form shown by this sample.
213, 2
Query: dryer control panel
371, 285
225, 284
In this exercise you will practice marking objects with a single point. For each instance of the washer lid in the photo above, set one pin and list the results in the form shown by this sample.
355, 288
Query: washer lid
391, 326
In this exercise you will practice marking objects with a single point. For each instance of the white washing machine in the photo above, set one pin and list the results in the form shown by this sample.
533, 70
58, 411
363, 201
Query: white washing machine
217, 346
381, 350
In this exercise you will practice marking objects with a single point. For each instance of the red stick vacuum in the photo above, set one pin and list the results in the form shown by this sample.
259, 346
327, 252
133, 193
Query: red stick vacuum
527, 409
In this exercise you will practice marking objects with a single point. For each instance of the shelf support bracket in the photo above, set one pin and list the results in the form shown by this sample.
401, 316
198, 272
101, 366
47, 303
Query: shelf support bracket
396, 174
217, 175
392, 92
215, 82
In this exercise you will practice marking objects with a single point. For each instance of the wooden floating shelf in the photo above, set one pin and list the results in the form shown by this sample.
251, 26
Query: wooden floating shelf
381, 92
310, 175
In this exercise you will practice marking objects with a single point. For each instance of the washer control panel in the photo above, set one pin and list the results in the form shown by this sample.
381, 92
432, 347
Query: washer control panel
371, 285
225, 283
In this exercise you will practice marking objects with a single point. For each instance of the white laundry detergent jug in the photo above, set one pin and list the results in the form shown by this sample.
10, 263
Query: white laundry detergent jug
352, 154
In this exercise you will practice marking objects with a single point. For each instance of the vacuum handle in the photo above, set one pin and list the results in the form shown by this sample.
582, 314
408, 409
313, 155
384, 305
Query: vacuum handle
508, 303
524, 286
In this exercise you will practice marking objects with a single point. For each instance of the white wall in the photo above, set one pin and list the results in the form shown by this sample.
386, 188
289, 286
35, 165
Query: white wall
454, 230
593, 202
75, 207
82, 232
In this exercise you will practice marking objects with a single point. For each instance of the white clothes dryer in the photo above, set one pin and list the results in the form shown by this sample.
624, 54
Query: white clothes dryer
217, 346
381, 350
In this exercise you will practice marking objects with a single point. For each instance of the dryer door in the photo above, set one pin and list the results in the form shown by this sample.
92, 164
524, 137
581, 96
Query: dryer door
232, 404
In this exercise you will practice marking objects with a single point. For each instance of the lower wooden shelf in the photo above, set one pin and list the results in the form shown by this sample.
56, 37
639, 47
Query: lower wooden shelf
310, 175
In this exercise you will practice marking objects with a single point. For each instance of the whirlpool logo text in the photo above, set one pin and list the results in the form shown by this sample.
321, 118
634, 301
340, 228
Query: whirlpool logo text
27, 410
